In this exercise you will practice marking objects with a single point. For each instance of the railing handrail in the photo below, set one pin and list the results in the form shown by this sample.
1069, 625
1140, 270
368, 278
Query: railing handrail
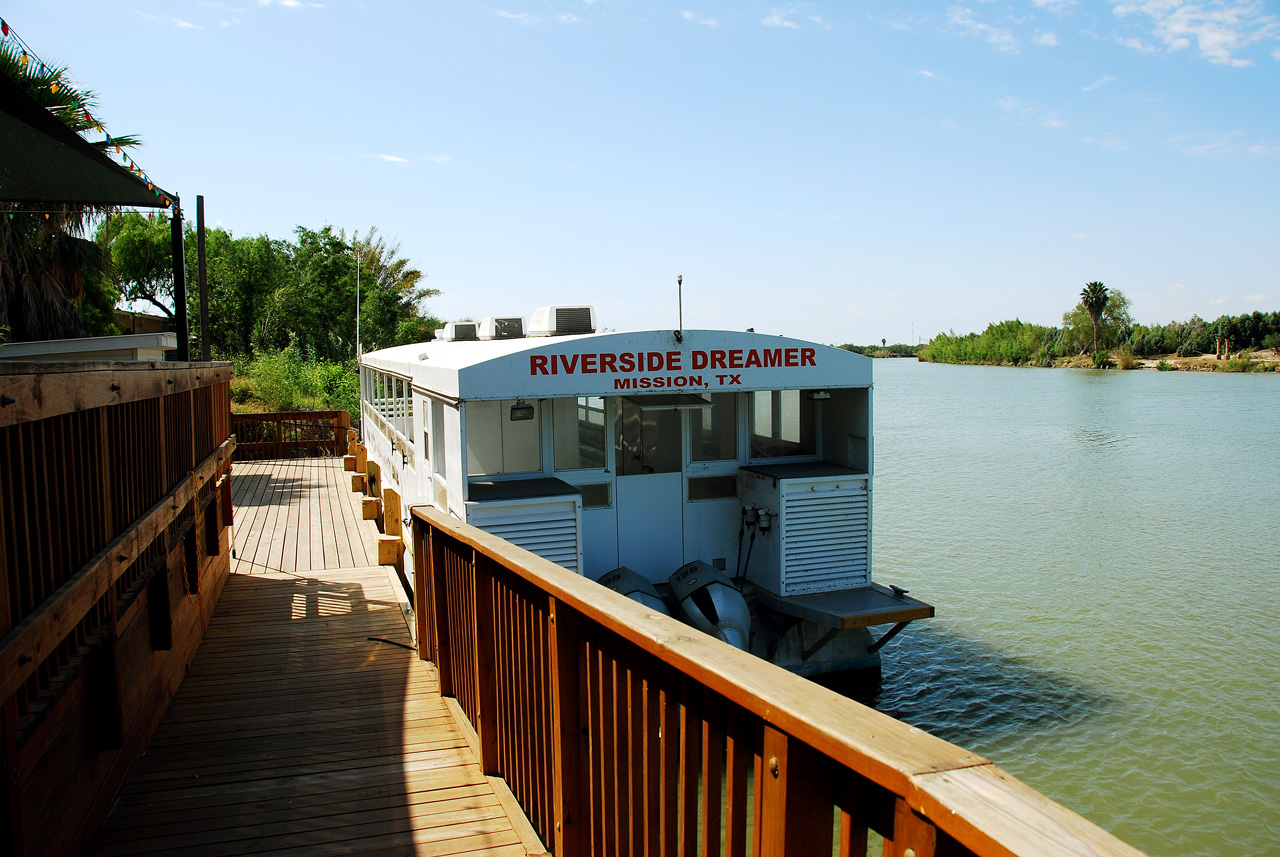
961, 793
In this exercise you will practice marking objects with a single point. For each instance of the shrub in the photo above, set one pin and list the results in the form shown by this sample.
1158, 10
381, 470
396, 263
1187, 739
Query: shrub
1101, 360
1125, 358
1165, 366
241, 390
1188, 349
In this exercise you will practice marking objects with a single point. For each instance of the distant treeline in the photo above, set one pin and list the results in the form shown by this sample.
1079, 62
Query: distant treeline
1020, 343
898, 349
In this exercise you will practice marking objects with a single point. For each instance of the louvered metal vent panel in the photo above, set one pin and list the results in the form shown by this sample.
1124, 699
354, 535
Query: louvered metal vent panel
551, 534
573, 320
825, 544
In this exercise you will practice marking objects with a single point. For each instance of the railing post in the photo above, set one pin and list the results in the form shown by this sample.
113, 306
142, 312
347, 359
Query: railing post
423, 596
913, 834
485, 679
440, 614
795, 809
568, 736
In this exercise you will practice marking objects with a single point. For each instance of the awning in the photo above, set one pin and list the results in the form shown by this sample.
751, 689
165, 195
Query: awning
43, 161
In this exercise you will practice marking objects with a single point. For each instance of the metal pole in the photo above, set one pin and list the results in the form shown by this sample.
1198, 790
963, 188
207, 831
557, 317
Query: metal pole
356, 245
180, 284
200, 279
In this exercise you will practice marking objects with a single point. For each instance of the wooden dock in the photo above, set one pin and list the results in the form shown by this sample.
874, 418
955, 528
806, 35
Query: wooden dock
307, 724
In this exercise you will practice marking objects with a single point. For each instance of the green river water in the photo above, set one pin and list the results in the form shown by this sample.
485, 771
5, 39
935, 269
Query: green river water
1103, 549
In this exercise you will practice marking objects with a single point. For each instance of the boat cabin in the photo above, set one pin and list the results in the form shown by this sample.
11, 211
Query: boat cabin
647, 450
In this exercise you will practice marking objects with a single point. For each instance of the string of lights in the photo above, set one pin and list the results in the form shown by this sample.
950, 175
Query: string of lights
26, 57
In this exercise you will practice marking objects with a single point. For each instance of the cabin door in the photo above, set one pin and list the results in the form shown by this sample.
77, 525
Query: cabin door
649, 496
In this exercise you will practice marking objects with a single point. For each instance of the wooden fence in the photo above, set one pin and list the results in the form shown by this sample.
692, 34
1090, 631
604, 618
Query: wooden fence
290, 434
116, 497
625, 732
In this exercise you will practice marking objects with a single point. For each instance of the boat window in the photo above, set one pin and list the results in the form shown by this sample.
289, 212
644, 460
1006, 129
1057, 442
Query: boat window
713, 487
782, 423
595, 495
715, 429
648, 439
578, 424
498, 444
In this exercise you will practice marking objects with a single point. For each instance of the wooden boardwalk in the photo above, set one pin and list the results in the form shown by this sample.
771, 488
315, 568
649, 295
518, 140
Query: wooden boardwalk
306, 724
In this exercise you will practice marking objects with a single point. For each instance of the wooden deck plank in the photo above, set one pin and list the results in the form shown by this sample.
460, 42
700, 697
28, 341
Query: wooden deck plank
306, 725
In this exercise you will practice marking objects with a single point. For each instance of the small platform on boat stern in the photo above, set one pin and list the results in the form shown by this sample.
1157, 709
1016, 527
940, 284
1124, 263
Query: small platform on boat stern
850, 608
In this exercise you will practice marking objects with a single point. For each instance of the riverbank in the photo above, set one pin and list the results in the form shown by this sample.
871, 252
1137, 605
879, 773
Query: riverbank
1259, 361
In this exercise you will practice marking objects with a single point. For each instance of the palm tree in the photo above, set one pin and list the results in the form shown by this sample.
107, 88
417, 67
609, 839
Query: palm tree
46, 259
1094, 299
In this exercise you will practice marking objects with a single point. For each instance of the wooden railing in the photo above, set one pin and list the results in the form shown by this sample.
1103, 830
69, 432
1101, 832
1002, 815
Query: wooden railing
290, 434
116, 499
621, 731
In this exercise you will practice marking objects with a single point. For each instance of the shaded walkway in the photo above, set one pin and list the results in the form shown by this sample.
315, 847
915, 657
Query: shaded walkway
306, 725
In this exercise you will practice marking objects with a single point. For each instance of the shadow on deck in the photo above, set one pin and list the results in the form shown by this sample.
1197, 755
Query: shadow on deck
306, 723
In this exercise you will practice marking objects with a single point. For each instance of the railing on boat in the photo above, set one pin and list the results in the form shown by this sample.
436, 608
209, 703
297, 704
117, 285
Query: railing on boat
113, 549
290, 434
621, 731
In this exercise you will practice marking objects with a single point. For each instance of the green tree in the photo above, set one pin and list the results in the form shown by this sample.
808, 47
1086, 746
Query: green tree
391, 294
141, 258
1093, 297
1108, 328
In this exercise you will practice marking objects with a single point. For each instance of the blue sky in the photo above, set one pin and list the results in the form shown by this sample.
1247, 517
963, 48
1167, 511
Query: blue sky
816, 169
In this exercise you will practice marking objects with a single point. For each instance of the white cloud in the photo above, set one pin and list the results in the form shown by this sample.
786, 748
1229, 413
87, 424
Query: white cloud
1047, 40
1057, 6
390, 159
1136, 44
292, 4
926, 73
778, 18
568, 18
998, 37
1211, 146
1176, 287
438, 159
817, 19
1030, 112
1219, 301
228, 23
176, 23
1220, 28
1099, 83
1116, 144
1257, 299
522, 17
694, 18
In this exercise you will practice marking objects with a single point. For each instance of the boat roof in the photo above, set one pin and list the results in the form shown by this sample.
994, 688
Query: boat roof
621, 363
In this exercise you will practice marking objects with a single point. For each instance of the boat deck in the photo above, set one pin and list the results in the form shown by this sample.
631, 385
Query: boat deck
307, 724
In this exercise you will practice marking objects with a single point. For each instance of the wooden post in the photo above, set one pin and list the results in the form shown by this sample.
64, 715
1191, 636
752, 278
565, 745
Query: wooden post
392, 524
200, 280
795, 803
486, 649
567, 753
913, 834
423, 609
440, 613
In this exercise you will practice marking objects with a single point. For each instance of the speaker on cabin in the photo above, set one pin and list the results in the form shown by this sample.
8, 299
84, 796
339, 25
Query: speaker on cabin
709, 602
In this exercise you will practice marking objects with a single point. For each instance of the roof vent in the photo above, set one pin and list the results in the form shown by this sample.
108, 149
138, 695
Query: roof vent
562, 320
458, 331
502, 327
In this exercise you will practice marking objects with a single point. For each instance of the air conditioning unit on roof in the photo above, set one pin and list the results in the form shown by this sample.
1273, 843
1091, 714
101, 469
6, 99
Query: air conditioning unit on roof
562, 320
502, 327
458, 331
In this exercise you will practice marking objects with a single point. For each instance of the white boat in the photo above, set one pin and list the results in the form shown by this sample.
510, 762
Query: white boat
682, 467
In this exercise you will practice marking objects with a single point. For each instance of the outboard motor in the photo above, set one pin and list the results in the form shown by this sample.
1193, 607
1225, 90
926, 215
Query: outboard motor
709, 602
635, 587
